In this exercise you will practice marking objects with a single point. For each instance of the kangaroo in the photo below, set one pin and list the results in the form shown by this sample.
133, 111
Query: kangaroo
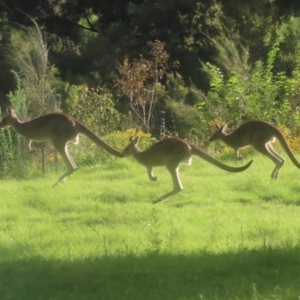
171, 152
59, 129
260, 135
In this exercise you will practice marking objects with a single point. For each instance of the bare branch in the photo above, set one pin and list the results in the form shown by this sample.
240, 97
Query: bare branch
138, 80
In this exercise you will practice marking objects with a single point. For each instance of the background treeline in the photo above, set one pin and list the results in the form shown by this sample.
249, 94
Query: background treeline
119, 64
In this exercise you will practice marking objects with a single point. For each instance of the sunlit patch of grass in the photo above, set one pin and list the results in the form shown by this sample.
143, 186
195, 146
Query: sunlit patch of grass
98, 235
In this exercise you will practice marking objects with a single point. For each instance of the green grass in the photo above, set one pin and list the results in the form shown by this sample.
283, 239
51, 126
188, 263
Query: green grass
98, 236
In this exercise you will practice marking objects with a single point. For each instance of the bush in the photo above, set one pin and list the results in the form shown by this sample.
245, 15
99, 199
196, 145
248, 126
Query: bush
94, 107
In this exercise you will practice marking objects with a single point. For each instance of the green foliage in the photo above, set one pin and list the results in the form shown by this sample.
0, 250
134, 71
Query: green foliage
121, 139
85, 43
12, 155
186, 119
176, 88
241, 91
18, 99
94, 107
236, 97
288, 34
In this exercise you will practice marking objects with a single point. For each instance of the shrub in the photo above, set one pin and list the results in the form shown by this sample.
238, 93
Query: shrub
121, 139
94, 107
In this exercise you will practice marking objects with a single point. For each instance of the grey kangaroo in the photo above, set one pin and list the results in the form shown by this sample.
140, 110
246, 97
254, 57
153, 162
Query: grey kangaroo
260, 135
57, 128
171, 152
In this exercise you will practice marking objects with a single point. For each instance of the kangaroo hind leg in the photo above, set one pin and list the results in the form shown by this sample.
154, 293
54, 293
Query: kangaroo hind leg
62, 149
268, 151
177, 186
280, 160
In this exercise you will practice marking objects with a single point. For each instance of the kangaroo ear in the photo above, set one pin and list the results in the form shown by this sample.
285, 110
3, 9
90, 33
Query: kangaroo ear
11, 112
218, 126
224, 128
136, 140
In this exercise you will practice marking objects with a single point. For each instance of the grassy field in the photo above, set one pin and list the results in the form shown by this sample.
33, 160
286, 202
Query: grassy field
98, 236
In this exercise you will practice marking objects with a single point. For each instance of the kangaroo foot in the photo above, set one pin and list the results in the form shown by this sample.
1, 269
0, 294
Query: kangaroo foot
165, 196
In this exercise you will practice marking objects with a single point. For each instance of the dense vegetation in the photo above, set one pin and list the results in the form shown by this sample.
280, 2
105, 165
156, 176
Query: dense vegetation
116, 65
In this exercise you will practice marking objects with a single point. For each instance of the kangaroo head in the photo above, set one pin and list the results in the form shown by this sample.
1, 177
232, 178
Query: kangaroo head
218, 133
7, 120
132, 147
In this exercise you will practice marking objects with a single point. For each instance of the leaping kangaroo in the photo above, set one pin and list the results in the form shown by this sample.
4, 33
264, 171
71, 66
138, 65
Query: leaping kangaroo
259, 135
59, 129
171, 152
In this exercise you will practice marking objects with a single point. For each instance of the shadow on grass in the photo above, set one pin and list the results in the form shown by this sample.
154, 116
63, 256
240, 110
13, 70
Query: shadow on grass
279, 199
260, 274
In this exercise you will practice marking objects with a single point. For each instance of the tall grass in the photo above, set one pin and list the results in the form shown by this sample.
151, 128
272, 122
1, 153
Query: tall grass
98, 235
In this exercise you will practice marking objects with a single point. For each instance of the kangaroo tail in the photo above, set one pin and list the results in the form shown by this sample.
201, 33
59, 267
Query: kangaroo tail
279, 136
200, 153
82, 129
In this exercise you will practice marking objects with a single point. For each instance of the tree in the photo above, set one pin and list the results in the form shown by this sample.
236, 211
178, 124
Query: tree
36, 74
139, 81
